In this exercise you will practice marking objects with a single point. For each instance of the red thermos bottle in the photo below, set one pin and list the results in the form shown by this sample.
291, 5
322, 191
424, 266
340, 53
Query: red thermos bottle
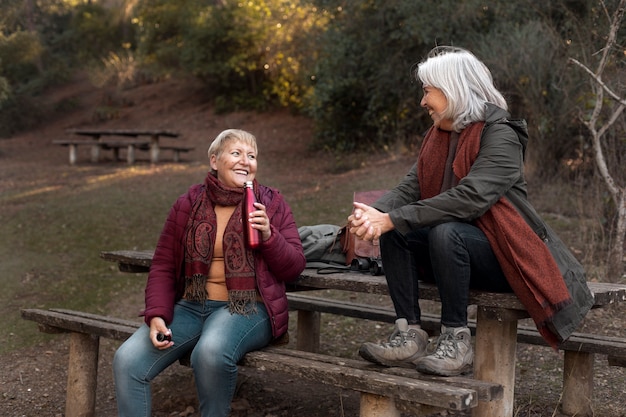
251, 235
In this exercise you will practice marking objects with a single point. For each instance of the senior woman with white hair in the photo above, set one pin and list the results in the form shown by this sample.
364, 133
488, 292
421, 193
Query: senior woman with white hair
461, 218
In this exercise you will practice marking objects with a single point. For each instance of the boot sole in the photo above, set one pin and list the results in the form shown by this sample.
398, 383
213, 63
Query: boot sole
407, 363
466, 369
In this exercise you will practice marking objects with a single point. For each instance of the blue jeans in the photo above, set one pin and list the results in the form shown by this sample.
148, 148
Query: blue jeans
455, 256
216, 339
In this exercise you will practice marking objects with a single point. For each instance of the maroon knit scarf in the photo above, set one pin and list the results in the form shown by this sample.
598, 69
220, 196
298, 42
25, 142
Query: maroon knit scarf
200, 242
526, 261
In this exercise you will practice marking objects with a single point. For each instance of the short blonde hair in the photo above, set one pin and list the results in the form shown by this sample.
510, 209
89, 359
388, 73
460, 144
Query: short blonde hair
231, 135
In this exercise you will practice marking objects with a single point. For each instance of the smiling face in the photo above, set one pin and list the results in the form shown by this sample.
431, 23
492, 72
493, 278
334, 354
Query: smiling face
436, 103
235, 164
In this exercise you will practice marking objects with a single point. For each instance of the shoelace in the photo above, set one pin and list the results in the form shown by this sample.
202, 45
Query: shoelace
446, 346
397, 339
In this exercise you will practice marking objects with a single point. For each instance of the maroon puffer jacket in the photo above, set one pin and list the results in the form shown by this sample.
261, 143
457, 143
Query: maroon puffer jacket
280, 259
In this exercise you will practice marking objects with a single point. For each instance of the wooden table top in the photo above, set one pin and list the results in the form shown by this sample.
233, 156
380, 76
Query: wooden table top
123, 132
604, 293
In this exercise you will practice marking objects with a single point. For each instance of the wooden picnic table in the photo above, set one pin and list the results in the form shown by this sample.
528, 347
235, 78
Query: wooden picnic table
152, 136
496, 322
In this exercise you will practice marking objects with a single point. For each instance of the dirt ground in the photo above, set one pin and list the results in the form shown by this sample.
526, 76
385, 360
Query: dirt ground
32, 381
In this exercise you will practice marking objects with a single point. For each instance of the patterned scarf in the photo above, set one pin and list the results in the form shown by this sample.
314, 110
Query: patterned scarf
200, 242
525, 259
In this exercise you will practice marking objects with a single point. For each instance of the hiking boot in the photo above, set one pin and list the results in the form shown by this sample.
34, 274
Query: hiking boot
404, 346
453, 355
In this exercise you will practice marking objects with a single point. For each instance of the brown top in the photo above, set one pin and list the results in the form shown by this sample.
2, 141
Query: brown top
216, 281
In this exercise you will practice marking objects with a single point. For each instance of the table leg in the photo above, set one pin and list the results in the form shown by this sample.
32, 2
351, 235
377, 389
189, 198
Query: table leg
373, 405
494, 361
130, 154
577, 384
95, 150
154, 149
73, 153
308, 333
95, 153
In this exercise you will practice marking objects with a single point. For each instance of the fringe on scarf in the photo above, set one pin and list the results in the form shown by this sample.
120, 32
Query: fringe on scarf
242, 302
195, 288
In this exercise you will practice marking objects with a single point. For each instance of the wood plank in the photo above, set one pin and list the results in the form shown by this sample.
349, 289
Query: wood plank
578, 342
130, 261
358, 282
74, 142
349, 374
341, 375
180, 148
123, 132
298, 301
138, 144
111, 328
486, 391
604, 293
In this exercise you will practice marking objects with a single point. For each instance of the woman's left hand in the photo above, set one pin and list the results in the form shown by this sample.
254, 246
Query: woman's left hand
261, 221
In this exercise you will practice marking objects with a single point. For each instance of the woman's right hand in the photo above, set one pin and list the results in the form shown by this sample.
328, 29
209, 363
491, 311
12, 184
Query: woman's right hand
157, 325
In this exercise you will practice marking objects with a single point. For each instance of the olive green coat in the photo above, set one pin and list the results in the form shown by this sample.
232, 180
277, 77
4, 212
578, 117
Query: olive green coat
497, 172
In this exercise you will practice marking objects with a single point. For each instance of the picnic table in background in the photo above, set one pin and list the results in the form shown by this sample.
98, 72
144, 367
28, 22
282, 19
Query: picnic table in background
130, 139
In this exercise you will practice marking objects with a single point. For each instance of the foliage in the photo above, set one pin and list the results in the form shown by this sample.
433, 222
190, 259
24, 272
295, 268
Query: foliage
250, 54
41, 44
5, 91
91, 33
364, 94
20, 52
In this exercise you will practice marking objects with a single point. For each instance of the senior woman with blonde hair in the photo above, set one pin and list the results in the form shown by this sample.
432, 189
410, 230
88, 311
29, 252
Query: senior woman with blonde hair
207, 295
461, 218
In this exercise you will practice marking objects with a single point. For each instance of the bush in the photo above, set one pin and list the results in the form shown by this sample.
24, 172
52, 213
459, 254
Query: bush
60, 38
249, 54
20, 54
365, 92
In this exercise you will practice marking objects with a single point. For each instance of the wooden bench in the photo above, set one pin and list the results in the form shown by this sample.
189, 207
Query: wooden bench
130, 145
98, 140
142, 145
384, 391
495, 335
96, 147
579, 350
177, 149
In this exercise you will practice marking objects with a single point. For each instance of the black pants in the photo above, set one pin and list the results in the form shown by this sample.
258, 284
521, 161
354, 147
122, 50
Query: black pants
455, 256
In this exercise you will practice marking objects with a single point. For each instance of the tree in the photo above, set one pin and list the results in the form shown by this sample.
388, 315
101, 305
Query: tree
602, 117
